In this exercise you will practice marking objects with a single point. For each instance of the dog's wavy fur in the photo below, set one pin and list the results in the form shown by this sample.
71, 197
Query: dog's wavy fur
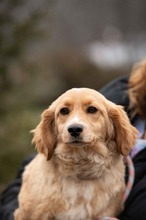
77, 177
137, 89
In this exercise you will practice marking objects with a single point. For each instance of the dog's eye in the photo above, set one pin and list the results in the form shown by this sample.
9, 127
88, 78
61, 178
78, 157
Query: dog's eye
64, 111
91, 109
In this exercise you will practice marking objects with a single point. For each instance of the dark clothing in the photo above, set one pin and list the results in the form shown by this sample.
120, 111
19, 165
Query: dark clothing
135, 207
116, 91
9, 200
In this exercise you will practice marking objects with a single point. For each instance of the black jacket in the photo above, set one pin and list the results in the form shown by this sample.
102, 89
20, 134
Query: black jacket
135, 207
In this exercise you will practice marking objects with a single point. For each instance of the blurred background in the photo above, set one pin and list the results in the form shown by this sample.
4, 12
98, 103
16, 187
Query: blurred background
47, 47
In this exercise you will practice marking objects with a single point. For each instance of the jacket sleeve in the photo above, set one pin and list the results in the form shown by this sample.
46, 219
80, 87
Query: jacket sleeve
8, 199
135, 207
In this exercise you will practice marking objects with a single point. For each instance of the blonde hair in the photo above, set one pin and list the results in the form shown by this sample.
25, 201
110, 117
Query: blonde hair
137, 90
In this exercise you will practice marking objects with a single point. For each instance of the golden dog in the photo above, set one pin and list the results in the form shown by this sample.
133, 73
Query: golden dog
79, 170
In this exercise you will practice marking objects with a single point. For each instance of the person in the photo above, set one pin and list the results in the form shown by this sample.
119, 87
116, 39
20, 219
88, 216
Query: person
130, 92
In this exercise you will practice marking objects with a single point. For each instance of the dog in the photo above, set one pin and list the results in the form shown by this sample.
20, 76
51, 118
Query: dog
79, 171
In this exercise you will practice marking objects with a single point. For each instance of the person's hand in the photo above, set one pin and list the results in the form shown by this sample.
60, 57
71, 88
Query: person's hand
107, 218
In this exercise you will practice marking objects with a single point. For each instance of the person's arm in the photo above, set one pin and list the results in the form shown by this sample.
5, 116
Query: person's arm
135, 207
9, 197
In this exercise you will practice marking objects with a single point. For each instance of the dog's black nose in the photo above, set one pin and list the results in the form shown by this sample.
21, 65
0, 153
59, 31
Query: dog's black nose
75, 130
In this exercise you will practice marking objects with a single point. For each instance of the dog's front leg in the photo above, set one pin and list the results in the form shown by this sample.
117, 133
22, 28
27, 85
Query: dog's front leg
18, 215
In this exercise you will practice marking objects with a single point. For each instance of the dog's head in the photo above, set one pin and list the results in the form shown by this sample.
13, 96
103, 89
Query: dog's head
83, 118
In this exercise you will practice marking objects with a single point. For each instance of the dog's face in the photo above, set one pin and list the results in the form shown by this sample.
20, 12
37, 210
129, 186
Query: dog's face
80, 118
84, 119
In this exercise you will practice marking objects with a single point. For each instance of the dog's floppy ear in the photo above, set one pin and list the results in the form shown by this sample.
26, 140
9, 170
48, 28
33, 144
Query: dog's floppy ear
125, 133
44, 137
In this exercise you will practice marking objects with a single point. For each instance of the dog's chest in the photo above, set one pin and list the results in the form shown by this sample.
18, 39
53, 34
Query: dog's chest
78, 199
